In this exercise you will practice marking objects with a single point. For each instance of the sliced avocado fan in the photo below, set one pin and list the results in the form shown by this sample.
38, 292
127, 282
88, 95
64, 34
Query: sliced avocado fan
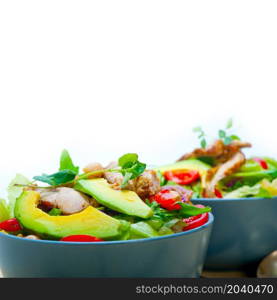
124, 201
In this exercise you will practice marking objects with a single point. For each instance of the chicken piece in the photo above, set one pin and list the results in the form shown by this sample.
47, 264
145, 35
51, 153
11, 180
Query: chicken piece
218, 150
145, 185
214, 150
66, 199
114, 178
94, 167
222, 171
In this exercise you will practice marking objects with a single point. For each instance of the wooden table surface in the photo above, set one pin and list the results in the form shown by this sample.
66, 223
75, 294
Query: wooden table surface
209, 274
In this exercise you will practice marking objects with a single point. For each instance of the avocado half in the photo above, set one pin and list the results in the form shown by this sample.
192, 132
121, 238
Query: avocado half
124, 201
90, 221
189, 164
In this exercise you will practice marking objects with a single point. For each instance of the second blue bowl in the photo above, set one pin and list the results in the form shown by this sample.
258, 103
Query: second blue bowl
244, 232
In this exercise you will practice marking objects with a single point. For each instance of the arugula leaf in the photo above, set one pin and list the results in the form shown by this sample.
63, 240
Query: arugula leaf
58, 178
66, 162
189, 210
186, 211
130, 167
55, 212
127, 160
15, 191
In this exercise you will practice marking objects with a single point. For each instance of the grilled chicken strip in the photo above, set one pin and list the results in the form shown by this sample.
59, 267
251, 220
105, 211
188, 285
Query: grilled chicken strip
218, 150
221, 172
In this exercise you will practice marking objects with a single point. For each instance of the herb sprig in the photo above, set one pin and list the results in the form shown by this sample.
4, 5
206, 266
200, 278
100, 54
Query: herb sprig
129, 166
201, 136
225, 135
67, 172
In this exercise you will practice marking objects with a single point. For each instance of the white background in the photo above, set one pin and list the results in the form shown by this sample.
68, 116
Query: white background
102, 78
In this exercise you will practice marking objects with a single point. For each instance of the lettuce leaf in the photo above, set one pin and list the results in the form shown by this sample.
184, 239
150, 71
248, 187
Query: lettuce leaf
270, 187
248, 191
15, 191
4, 211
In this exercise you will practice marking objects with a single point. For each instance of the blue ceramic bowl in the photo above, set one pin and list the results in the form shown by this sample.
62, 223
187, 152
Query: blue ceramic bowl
177, 255
245, 230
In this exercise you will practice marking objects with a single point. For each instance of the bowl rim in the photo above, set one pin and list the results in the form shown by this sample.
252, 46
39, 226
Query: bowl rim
232, 199
99, 244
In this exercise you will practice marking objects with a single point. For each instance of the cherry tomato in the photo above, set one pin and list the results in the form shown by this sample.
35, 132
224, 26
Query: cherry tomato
218, 193
182, 177
167, 199
81, 238
261, 162
10, 225
196, 221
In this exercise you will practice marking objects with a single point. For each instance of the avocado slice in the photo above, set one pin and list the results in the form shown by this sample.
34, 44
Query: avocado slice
123, 201
90, 221
189, 164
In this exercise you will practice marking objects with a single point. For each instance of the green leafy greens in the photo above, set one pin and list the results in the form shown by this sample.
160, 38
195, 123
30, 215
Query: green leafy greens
15, 189
66, 162
67, 172
131, 167
201, 136
225, 136
4, 211
58, 178
55, 212
186, 211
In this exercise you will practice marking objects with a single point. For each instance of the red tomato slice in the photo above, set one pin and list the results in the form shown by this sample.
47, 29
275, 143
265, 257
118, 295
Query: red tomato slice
218, 193
196, 221
261, 162
167, 199
182, 177
10, 225
81, 238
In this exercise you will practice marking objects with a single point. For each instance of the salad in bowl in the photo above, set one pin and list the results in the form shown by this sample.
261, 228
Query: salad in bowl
240, 190
221, 170
122, 201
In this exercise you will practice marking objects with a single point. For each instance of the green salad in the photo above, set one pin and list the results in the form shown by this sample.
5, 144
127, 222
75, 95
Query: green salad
221, 170
122, 201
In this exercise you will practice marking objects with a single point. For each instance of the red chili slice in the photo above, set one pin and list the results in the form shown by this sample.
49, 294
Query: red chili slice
196, 221
167, 199
182, 177
11, 225
81, 238
261, 162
